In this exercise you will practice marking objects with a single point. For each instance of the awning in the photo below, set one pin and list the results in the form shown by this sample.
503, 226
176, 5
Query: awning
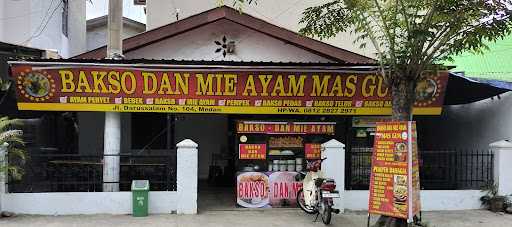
464, 90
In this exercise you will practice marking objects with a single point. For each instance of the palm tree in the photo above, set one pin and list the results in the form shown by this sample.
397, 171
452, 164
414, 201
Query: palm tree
12, 142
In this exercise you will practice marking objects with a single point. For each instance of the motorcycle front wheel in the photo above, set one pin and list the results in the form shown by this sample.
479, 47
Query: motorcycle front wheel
302, 204
326, 213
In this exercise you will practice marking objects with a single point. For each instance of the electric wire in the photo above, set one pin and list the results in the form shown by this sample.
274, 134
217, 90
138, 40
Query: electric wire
45, 24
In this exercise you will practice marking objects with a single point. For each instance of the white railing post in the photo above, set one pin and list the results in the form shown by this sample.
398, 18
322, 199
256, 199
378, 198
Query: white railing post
3, 175
186, 179
502, 167
334, 167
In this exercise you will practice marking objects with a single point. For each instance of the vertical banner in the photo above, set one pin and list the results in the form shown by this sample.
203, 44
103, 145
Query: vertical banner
394, 180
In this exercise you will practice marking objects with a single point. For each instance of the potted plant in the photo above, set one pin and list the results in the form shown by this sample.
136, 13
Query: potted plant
492, 200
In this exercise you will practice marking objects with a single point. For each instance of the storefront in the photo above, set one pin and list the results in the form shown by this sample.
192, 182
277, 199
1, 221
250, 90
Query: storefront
276, 116
270, 155
258, 113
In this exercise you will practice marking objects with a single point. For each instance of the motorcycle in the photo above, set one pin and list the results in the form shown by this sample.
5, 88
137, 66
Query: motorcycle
317, 193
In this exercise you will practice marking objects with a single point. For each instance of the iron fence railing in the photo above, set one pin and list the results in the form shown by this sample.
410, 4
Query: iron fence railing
84, 173
439, 170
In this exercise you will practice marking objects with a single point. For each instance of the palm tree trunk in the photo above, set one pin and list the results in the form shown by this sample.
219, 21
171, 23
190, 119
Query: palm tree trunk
403, 96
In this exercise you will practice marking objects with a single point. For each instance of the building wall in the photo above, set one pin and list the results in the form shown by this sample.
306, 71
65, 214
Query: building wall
97, 37
283, 13
199, 44
470, 126
38, 24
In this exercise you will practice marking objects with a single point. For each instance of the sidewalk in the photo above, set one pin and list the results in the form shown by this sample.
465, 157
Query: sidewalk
266, 218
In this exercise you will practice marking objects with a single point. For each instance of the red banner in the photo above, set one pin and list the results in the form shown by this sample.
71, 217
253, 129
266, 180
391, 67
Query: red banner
269, 189
312, 150
252, 151
136, 88
286, 127
394, 180
283, 189
252, 189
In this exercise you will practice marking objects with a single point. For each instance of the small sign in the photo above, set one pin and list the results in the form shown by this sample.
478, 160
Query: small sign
252, 151
326, 128
312, 150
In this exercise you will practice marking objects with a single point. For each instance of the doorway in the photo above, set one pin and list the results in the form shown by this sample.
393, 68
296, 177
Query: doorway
212, 132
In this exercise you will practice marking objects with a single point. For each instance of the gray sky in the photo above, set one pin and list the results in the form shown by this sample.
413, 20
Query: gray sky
99, 8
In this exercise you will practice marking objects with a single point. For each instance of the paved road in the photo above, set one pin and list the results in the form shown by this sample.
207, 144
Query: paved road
266, 218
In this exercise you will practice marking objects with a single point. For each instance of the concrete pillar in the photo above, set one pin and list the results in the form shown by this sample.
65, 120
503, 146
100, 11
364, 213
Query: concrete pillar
3, 175
502, 167
112, 136
186, 179
76, 27
334, 167
112, 148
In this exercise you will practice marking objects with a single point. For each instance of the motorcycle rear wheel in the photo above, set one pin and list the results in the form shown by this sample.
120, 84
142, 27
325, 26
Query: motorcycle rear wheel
302, 204
326, 213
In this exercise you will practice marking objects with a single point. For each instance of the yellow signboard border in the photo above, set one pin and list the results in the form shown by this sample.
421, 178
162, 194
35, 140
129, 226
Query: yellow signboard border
218, 109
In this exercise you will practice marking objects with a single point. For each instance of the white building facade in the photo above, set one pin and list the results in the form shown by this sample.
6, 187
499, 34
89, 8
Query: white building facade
203, 136
57, 25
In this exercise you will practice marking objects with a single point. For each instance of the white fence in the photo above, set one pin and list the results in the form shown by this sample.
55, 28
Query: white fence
181, 201
184, 200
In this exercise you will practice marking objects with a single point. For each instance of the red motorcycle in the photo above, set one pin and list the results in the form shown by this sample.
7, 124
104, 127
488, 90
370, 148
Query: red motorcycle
317, 193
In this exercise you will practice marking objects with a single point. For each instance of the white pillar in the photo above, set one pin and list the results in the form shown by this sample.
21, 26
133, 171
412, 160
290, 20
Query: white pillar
334, 167
111, 150
502, 167
186, 179
3, 175
112, 136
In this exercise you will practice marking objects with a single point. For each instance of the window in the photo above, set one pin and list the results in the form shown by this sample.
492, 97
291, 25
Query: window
151, 131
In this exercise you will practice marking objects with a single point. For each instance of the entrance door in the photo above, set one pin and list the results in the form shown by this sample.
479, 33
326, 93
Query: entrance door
211, 132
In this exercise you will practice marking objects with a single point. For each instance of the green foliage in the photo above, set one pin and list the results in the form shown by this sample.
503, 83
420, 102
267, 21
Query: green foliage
238, 4
491, 193
13, 138
410, 36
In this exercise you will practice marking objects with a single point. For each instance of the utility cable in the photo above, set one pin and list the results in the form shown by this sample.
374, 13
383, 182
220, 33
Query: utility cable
45, 24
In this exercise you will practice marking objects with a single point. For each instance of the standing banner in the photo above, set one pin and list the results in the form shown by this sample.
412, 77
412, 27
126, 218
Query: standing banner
394, 179
54, 86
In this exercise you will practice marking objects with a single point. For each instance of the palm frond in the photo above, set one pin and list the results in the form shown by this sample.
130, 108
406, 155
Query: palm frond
7, 124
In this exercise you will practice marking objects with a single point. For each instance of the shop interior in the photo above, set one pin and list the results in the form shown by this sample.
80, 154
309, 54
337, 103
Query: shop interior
221, 140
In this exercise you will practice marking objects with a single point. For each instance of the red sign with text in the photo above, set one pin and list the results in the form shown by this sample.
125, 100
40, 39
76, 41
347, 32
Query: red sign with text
312, 150
394, 180
253, 151
54, 86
